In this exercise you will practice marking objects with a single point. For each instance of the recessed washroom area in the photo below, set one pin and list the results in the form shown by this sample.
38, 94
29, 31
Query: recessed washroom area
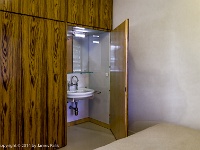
88, 76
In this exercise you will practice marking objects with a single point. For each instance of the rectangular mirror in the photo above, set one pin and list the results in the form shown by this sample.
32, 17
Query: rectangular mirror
79, 42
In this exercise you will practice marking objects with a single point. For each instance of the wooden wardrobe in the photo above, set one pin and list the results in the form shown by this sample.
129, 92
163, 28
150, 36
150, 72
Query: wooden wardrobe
32, 74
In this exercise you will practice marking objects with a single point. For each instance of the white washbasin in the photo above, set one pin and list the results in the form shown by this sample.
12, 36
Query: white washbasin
80, 93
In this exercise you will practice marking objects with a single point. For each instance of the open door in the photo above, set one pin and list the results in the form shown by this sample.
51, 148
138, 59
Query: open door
118, 81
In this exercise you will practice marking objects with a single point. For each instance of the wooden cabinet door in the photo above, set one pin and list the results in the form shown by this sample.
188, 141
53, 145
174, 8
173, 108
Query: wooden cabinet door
10, 5
10, 77
75, 11
119, 81
51, 9
43, 81
34, 7
55, 56
91, 13
105, 13
32, 81
33, 109
56, 9
95, 14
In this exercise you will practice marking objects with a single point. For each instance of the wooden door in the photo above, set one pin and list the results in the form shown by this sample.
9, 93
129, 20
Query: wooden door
10, 77
118, 81
32, 81
55, 55
43, 108
33, 103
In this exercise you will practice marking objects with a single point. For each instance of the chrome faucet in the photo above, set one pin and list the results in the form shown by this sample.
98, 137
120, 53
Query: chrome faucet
76, 83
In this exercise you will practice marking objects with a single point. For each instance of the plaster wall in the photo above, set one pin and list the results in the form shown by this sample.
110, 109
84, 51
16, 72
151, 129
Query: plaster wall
164, 61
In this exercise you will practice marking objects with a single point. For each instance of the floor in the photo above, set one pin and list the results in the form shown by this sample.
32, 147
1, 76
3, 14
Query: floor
87, 136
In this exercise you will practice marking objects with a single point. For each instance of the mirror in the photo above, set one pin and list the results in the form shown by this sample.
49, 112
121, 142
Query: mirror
78, 46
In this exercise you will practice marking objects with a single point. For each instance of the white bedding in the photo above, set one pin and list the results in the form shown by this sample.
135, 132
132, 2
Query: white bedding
159, 137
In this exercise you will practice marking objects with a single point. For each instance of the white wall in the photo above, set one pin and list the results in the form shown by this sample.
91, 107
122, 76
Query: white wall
164, 61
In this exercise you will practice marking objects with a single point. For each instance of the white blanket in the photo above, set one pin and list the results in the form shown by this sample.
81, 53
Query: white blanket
159, 137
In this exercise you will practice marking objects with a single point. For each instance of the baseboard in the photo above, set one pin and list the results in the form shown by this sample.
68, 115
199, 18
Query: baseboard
76, 122
102, 124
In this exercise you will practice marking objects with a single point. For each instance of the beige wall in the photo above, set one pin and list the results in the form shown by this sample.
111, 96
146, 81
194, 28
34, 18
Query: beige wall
164, 60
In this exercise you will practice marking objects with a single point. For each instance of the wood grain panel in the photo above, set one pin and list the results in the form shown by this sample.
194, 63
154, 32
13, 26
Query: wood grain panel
33, 83
75, 12
119, 81
56, 9
91, 13
56, 83
34, 7
10, 5
96, 14
52, 9
105, 12
10, 45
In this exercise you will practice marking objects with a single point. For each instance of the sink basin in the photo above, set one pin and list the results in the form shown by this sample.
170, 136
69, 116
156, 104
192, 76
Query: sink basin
80, 93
